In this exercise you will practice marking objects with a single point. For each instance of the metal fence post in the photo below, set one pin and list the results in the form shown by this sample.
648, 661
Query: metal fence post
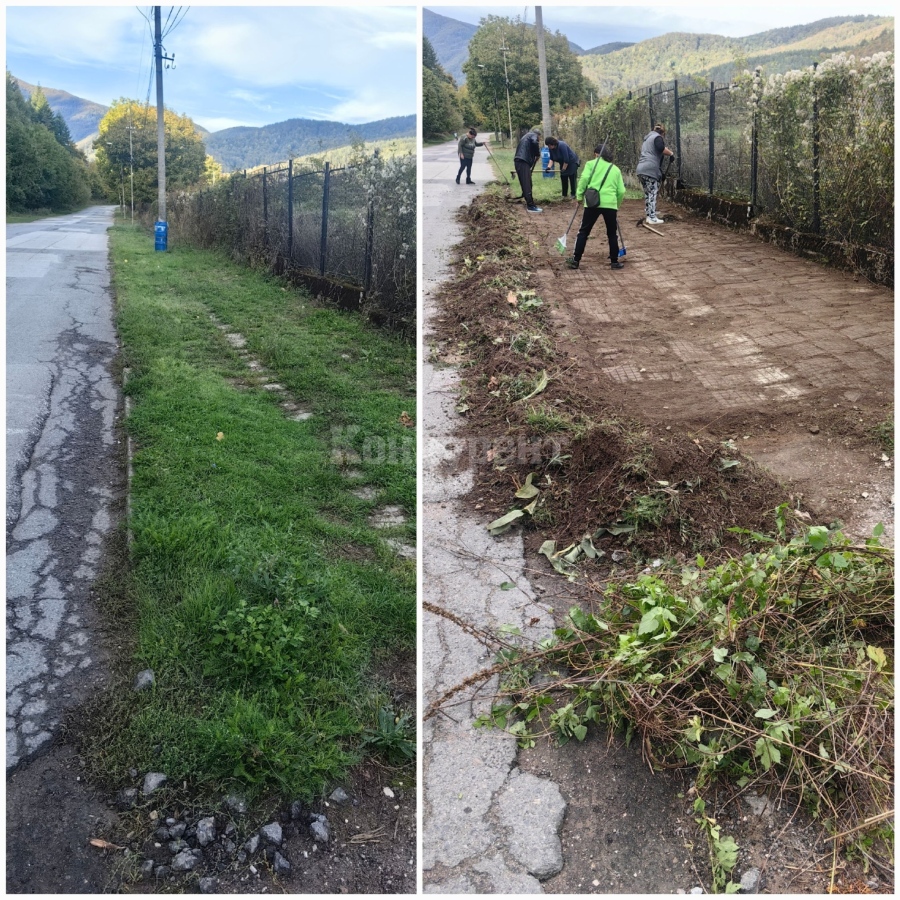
370, 245
754, 160
265, 210
290, 208
323, 249
712, 135
816, 223
677, 132
650, 106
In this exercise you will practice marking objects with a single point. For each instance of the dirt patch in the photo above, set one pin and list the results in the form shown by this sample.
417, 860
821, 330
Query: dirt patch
658, 381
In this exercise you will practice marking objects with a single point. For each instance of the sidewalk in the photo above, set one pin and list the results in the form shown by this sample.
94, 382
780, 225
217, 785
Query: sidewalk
488, 826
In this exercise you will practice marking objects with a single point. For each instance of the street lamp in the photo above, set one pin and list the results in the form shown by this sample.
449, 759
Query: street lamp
504, 51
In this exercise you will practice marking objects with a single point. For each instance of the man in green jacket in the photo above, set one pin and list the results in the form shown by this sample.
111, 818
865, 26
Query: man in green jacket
602, 176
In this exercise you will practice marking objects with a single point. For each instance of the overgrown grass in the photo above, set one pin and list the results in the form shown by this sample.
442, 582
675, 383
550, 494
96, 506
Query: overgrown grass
264, 596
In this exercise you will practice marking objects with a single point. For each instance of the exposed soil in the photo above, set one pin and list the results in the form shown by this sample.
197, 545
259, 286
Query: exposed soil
713, 379
710, 347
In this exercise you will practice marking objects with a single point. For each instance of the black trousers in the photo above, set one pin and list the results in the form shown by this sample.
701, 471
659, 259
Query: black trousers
569, 180
465, 165
523, 171
588, 220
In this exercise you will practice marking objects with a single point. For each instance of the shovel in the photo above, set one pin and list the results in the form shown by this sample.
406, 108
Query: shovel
622, 249
561, 241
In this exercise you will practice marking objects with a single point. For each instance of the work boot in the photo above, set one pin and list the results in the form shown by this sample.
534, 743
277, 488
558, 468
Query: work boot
572, 263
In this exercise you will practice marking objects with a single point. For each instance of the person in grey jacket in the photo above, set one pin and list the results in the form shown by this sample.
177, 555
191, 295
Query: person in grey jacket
649, 170
466, 150
562, 153
527, 154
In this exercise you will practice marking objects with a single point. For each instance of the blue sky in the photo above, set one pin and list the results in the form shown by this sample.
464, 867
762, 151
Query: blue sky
592, 24
234, 65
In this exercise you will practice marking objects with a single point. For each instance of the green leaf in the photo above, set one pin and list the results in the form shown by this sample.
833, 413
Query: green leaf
720, 653
877, 655
580, 732
507, 586
528, 490
767, 753
728, 464
817, 537
766, 713
498, 526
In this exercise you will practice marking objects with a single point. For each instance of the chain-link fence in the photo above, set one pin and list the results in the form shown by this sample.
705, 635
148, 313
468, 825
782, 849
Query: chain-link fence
811, 149
354, 224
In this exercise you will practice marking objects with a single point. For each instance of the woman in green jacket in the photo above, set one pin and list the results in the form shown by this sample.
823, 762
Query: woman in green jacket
602, 176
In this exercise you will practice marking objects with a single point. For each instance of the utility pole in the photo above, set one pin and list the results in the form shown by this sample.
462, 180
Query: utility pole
504, 51
131, 156
162, 227
542, 67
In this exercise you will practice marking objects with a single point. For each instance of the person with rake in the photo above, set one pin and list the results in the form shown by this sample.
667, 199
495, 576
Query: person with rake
466, 150
528, 152
562, 153
649, 170
602, 188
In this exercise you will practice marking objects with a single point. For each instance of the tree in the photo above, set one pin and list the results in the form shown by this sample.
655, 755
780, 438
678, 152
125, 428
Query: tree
128, 137
441, 110
42, 170
486, 79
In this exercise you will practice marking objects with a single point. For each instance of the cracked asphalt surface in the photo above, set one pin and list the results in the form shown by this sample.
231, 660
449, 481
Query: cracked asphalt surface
63, 479
488, 826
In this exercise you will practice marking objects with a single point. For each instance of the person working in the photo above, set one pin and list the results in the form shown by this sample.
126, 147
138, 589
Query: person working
466, 150
649, 170
527, 154
605, 179
562, 153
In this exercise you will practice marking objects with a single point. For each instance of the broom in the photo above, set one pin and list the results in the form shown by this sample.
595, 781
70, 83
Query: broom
561, 240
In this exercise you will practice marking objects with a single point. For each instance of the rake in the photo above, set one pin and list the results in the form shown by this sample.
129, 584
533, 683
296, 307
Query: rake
561, 240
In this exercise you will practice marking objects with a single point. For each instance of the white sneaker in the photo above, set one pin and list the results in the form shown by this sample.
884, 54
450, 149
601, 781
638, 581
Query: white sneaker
654, 221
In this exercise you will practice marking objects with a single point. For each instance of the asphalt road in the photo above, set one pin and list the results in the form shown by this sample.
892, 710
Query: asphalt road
488, 826
63, 478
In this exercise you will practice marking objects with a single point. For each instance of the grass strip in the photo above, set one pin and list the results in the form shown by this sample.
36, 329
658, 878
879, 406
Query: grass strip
264, 598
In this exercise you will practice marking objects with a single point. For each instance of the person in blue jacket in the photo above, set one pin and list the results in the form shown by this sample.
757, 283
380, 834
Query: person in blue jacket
604, 177
562, 153
528, 152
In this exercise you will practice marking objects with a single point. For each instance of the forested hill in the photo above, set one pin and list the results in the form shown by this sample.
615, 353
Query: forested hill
81, 116
246, 148
713, 57
450, 40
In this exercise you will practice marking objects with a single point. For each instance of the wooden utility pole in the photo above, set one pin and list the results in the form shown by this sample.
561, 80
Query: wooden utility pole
160, 118
542, 67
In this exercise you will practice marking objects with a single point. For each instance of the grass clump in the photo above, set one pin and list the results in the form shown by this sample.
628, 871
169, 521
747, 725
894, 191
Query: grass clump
261, 626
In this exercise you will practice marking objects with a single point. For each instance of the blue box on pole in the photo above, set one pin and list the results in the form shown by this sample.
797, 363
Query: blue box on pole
161, 229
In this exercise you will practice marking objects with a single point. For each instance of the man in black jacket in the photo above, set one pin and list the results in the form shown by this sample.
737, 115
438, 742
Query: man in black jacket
527, 154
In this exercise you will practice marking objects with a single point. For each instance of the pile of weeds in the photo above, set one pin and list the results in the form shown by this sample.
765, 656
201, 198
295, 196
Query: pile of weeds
773, 668
529, 414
